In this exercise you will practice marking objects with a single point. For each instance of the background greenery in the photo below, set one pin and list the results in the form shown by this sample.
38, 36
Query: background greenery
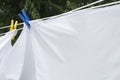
9, 9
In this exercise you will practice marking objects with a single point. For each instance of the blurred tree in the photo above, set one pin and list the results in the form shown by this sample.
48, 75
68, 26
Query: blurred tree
31, 9
8, 10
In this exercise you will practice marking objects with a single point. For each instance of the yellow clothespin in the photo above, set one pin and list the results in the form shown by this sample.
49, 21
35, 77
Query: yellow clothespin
16, 23
14, 28
12, 25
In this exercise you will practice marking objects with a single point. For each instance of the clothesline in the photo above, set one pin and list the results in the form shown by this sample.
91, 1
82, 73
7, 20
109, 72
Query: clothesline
96, 2
6, 32
94, 7
108, 4
9, 26
65, 13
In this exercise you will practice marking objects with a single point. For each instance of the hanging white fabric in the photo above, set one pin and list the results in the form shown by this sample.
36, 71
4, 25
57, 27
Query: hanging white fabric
84, 45
5, 46
5, 41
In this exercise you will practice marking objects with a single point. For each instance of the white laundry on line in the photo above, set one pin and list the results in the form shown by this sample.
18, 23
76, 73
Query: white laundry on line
5, 47
84, 45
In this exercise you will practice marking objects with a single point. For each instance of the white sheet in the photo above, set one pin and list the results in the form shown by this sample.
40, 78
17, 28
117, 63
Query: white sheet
81, 46
5, 47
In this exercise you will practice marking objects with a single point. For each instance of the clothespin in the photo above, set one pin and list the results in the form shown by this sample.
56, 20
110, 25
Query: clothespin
25, 18
15, 27
16, 23
25, 15
12, 25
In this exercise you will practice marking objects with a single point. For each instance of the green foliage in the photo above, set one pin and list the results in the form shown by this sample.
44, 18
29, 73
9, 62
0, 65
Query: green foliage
71, 5
31, 10
49, 9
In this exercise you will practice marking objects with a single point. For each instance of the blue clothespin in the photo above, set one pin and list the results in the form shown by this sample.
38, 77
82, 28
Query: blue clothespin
25, 15
25, 18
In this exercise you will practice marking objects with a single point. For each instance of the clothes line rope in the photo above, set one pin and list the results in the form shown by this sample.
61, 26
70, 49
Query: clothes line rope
9, 26
69, 12
96, 2
6, 32
94, 7
108, 4
63, 13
